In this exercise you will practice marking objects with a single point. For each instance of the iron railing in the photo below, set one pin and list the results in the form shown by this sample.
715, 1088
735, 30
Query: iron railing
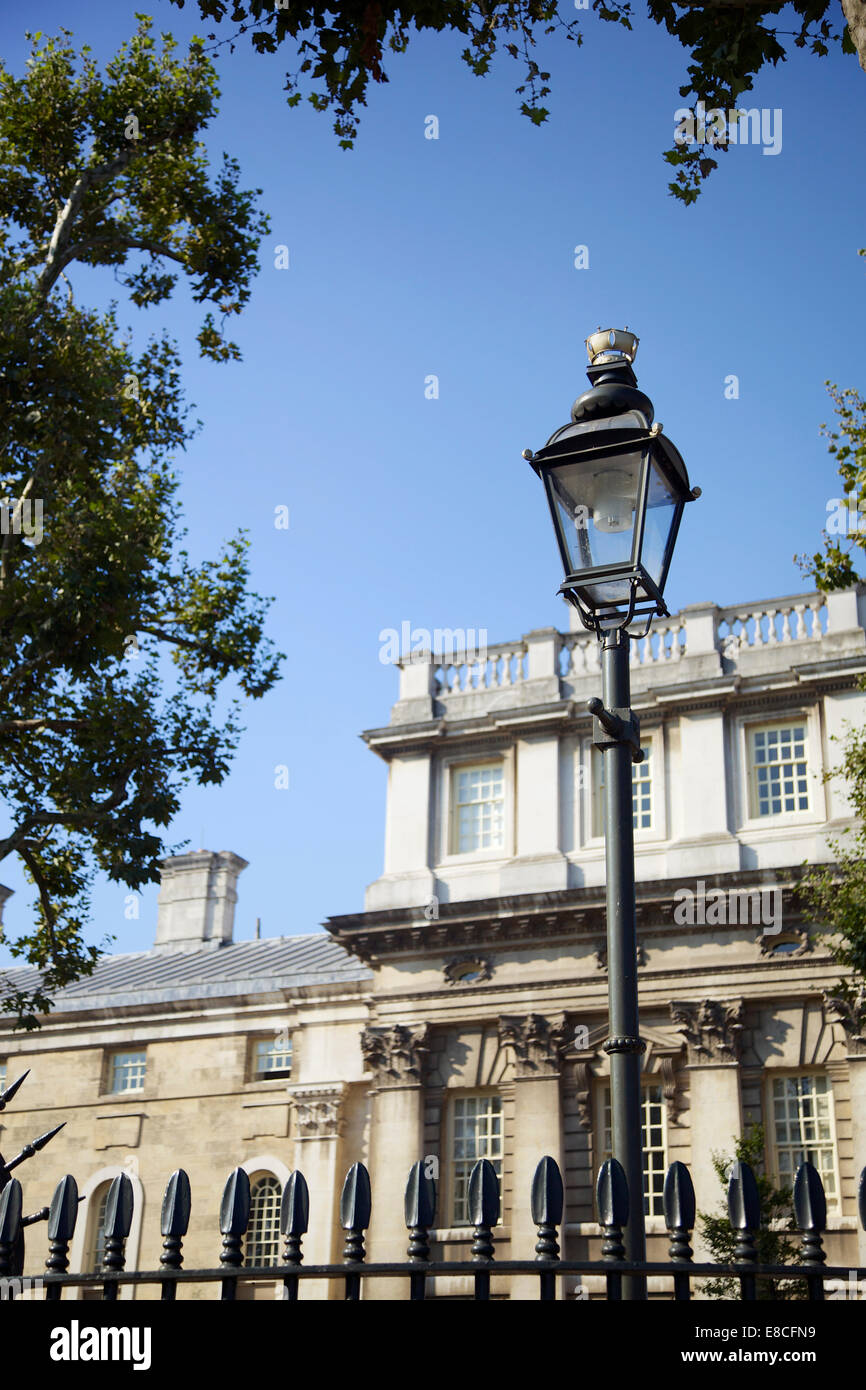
546, 1204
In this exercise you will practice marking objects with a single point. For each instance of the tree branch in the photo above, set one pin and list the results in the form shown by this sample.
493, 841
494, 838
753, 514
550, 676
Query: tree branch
47, 906
56, 725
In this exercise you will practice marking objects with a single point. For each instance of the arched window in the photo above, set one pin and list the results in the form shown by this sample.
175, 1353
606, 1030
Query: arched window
96, 1233
262, 1245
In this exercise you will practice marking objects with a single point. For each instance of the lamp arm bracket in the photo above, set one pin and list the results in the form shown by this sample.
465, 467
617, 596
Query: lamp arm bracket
614, 727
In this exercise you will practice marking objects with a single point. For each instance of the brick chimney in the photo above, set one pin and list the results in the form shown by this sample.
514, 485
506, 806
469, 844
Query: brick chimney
196, 903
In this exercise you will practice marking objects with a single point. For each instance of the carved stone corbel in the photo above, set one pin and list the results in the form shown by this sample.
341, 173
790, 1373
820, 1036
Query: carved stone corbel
317, 1111
712, 1029
583, 1080
538, 1043
671, 1078
848, 1007
396, 1055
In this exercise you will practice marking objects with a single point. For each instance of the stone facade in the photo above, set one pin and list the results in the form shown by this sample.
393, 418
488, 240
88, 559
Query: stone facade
469, 998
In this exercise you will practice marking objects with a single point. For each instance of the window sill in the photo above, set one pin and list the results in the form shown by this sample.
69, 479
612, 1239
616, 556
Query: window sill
472, 857
785, 820
452, 1235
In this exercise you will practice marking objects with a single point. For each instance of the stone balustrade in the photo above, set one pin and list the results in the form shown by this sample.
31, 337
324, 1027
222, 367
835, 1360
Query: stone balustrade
702, 639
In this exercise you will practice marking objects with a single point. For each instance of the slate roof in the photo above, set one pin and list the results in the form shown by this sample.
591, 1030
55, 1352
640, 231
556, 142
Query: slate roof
242, 967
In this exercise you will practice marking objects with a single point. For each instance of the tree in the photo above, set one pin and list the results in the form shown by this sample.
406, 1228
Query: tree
836, 893
342, 46
98, 730
773, 1245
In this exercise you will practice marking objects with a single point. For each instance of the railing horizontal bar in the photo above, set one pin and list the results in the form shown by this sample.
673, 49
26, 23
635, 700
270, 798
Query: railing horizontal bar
439, 1269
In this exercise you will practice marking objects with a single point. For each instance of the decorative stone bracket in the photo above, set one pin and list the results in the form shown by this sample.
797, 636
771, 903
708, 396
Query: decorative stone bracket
318, 1111
849, 1009
396, 1055
538, 1043
712, 1029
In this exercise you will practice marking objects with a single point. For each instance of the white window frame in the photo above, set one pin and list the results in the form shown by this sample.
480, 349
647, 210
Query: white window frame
255, 1180
281, 1073
602, 1129
480, 1093
797, 1074
446, 839
590, 761
113, 1055
749, 724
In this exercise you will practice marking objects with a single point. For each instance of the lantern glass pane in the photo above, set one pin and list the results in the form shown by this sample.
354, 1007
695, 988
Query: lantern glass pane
660, 513
596, 500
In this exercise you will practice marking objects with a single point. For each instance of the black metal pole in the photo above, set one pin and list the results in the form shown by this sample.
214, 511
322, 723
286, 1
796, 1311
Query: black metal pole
623, 1045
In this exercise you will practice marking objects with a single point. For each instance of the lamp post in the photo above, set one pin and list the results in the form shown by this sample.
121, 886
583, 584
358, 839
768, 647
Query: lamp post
616, 489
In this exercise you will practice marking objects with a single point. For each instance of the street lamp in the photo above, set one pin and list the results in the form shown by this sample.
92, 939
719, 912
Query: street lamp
616, 489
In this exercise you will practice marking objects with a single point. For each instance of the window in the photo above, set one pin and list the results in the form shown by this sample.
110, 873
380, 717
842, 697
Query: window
654, 1147
3, 1065
95, 1249
778, 767
126, 1072
803, 1127
479, 808
273, 1057
641, 791
262, 1246
477, 1134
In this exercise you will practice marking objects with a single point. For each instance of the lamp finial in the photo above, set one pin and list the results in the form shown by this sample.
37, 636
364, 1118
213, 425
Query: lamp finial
611, 345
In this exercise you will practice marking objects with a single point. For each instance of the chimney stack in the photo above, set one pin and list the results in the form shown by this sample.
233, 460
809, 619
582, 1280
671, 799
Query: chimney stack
196, 903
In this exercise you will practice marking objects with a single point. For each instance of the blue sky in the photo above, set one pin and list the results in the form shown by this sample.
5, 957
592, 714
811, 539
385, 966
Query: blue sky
454, 257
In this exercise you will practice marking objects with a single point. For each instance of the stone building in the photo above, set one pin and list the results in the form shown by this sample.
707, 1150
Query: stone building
462, 1013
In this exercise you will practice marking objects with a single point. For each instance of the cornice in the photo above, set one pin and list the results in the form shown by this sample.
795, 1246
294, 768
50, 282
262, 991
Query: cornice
573, 915
724, 692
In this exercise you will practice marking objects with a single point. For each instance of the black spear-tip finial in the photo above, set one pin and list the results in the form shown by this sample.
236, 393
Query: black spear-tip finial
810, 1210
34, 1146
10, 1227
679, 1204
174, 1218
234, 1216
547, 1205
62, 1219
744, 1211
9, 1093
356, 1206
294, 1216
611, 1195
483, 1207
119, 1206
419, 1207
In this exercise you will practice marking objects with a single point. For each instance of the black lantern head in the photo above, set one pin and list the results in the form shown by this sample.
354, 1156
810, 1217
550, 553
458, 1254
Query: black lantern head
616, 488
